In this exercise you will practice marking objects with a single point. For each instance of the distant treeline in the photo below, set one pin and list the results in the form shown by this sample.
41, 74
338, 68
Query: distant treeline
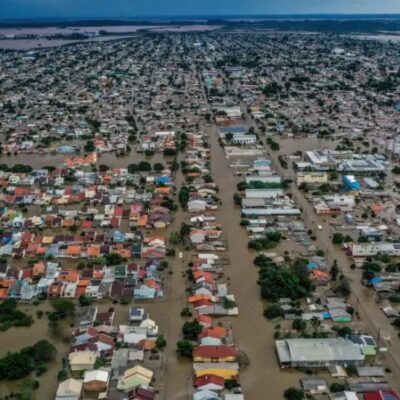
325, 26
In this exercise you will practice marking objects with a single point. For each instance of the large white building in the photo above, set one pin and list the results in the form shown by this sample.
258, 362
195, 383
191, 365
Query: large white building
372, 249
318, 352
263, 193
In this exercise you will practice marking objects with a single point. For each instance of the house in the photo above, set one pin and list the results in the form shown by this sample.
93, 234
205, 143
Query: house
318, 352
195, 206
206, 395
197, 236
381, 395
221, 353
142, 394
209, 382
136, 314
346, 395
244, 139
144, 292
150, 326
82, 360
311, 178
314, 385
70, 389
263, 193
234, 396
223, 370
28, 292
134, 377
96, 380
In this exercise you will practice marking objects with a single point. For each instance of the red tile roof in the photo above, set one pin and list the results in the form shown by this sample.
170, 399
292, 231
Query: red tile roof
209, 351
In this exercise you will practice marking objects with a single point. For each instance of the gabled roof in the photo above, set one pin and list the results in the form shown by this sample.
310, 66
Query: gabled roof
221, 351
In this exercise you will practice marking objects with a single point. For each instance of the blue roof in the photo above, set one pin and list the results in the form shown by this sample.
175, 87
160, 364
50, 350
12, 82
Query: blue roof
119, 236
376, 280
351, 182
163, 179
233, 129
66, 149
326, 315
311, 265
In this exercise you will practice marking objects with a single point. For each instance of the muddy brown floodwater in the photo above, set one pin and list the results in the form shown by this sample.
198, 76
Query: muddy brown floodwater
253, 333
14, 339
57, 160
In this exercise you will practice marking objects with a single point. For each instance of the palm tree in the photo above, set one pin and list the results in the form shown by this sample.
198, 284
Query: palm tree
315, 323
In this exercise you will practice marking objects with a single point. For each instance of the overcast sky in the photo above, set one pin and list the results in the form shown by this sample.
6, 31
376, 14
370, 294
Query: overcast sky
132, 8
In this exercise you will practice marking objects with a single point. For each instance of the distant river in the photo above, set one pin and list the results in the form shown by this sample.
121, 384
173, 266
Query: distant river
126, 31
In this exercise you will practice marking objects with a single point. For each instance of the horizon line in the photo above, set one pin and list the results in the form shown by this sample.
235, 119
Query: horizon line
210, 16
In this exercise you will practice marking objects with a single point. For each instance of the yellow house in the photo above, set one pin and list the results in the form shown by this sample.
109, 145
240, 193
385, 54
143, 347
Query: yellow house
223, 370
312, 177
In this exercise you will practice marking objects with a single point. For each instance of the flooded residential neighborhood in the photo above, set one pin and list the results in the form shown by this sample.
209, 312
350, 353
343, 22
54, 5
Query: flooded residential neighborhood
203, 210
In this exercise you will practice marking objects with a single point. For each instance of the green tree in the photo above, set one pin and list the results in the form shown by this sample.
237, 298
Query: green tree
299, 324
183, 196
85, 300
42, 351
158, 167
103, 168
132, 168
315, 323
229, 136
337, 387
64, 307
293, 394
184, 348
62, 375
174, 237
273, 311
89, 147
124, 300
191, 329
337, 238
161, 342
113, 259
15, 366
144, 166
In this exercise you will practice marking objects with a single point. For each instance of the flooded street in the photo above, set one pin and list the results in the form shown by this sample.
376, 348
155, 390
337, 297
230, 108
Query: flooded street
253, 333
363, 299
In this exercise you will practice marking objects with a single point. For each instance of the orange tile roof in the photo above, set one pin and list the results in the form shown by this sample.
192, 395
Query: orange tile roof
93, 251
83, 282
80, 291
73, 250
143, 220
198, 297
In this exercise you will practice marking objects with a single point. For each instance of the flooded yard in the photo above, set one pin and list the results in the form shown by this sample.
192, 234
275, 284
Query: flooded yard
14, 339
